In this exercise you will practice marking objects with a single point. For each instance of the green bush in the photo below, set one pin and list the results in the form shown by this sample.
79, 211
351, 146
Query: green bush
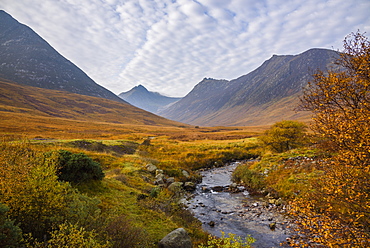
284, 136
250, 178
71, 235
10, 234
78, 167
232, 241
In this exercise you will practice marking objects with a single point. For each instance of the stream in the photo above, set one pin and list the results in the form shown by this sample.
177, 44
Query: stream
220, 210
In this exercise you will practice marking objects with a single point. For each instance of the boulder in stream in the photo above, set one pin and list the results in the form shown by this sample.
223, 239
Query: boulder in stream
218, 188
189, 186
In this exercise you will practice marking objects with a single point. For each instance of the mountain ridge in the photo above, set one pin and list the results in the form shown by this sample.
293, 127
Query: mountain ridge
250, 99
26, 58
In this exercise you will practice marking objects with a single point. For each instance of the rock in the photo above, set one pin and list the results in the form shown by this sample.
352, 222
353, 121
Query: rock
151, 168
175, 186
278, 202
189, 186
233, 186
159, 182
205, 189
170, 180
158, 172
160, 176
185, 173
218, 188
178, 238
211, 223
272, 226
241, 188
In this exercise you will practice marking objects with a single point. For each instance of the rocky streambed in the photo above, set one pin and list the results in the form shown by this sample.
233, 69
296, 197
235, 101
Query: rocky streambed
225, 207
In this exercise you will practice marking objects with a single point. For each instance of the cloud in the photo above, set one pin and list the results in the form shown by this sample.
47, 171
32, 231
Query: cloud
169, 46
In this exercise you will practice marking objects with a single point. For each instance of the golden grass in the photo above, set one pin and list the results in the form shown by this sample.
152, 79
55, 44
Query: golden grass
52, 119
37, 101
260, 115
32, 126
34, 112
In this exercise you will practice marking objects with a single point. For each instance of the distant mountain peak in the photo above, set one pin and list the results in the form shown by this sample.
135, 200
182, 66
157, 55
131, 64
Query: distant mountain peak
150, 101
140, 87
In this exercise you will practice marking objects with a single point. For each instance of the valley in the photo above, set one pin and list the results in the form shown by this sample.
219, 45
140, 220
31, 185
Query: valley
80, 166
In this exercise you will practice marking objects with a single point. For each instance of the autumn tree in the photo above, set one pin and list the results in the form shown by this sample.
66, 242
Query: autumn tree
284, 135
336, 211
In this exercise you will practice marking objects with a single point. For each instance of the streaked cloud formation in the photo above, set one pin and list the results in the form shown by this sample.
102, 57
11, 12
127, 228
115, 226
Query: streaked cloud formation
170, 45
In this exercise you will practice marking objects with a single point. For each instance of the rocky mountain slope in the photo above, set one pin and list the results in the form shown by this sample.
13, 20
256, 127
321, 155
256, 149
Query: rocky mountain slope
266, 95
150, 101
28, 59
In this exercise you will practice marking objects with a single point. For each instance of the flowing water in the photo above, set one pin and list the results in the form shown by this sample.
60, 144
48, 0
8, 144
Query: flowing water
238, 213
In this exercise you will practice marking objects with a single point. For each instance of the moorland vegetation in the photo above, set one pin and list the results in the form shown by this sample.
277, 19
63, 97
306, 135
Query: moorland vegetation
322, 174
327, 181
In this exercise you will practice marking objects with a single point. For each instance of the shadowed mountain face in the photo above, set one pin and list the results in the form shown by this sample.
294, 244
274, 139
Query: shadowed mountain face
266, 95
150, 101
28, 59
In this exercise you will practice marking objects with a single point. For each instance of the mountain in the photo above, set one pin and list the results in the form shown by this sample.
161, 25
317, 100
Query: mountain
23, 103
266, 95
28, 59
150, 101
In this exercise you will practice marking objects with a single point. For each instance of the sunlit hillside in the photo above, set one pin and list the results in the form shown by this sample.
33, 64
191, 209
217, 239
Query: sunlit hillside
32, 112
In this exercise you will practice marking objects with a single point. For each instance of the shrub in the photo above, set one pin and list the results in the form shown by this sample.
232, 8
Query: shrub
36, 199
232, 241
250, 178
123, 235
70, 235
284, 135
10, 234
78, 167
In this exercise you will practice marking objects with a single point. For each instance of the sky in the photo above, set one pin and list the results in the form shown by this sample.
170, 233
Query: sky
169, 46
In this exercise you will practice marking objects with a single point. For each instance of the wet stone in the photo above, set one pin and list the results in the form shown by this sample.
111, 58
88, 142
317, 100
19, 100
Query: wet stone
236, 212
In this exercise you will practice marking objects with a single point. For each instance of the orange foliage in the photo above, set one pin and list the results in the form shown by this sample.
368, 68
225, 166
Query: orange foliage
336, 212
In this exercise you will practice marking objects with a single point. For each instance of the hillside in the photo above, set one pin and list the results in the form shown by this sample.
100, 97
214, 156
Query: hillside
27, 101
261, 97
28, 59
150, 101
